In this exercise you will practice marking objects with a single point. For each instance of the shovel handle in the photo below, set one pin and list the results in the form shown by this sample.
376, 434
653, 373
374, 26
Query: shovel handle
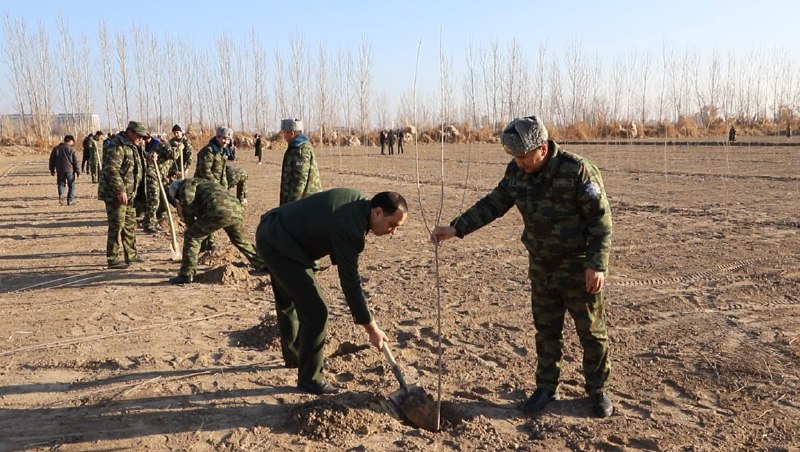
395, 368
388, 353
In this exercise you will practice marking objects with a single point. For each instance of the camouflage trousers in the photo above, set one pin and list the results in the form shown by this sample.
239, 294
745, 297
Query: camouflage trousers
241, 189
554, 292
121, 228
202, 228
153, 199
94, 167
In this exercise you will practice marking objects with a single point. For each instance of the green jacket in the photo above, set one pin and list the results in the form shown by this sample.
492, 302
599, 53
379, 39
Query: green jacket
564, 208
339, 228
123, 169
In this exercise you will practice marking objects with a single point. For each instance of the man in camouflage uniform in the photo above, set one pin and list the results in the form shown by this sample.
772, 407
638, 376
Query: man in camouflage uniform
568, 237
211, 161
179, 144
122, 173
92, 149
237, 177
156, 153
299, 172
213, 157
206, 206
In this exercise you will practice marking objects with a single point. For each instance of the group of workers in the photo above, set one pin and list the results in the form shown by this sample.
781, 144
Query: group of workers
560, 196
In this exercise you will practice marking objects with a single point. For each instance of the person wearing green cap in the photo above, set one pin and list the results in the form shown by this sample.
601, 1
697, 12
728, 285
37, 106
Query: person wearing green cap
122, 173
567, 233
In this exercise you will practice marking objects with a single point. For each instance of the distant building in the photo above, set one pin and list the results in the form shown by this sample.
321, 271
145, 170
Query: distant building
77, 124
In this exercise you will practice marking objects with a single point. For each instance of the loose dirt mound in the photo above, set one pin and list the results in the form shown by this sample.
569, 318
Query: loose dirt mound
263, 336
341, 418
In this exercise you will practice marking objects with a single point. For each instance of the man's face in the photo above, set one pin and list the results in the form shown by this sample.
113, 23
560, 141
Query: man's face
222, 141
288, 136
382, 224
177, 134
134, 137
533, 161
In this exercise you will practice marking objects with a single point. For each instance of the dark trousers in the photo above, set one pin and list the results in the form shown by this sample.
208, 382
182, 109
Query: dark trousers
302, 314
66, 181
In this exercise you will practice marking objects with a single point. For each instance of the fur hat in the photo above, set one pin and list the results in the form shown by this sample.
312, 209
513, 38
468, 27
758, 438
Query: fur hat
291, 125
523, 134
224, 132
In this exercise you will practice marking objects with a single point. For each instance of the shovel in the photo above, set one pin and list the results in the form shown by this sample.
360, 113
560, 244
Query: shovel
412, 401
173, 246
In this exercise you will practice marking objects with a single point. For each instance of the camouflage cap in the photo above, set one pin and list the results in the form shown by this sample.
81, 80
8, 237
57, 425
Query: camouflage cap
224, 132
523, 134
138, 128
291, 125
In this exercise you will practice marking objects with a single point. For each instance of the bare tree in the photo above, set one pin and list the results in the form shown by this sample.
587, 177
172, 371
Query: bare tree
124, 80
298, 77
109, 85
281, 106
364, 83
223, 98
140, 68
260, 100
15, 50
242, 82
471, 85
323, 96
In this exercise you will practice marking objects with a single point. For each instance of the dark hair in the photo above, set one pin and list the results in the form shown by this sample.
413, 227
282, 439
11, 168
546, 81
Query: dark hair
68, 138
99, 132
389, 202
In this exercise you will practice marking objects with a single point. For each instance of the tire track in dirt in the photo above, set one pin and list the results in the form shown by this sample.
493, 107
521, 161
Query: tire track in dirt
704, 275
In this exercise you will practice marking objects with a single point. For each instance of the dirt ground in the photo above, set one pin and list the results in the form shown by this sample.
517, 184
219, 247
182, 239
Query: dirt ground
703, 307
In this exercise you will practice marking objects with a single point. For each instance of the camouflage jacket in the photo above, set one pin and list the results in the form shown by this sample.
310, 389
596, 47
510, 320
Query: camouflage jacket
123, 169
211, 161
299, 172
201, 199
93, 149
185, 146
234, 176
564, 208
166, 157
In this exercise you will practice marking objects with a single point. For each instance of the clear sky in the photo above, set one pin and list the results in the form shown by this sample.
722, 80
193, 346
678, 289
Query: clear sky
394, 29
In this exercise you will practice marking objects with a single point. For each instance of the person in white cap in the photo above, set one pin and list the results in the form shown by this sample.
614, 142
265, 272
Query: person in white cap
299, 172
211, 162
567, 234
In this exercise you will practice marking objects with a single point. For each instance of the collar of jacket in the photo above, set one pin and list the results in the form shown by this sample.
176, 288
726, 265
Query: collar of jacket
298, 141
216, 148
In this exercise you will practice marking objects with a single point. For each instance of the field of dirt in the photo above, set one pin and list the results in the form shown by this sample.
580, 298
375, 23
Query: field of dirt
703, 304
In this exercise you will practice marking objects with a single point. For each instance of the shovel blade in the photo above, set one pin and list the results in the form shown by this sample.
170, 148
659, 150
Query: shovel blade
417, 406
